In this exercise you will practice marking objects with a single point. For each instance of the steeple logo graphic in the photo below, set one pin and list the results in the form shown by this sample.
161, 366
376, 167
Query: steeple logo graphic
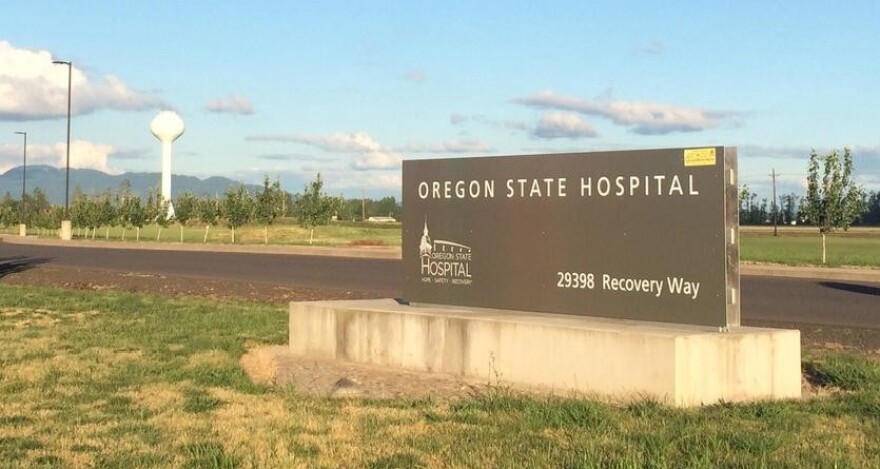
444, 262
425, 247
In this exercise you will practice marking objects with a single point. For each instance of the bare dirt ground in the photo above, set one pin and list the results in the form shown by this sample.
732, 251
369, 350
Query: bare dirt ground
269, 365
98, 280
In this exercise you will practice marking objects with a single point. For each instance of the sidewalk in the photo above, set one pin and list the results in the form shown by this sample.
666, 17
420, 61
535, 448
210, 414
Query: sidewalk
393, 252
824, 273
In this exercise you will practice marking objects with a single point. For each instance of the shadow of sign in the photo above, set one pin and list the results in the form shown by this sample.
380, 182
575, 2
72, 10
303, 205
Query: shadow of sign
852, 288
12, 265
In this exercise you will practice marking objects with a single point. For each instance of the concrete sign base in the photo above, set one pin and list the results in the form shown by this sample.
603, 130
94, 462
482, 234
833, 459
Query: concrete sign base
676, 364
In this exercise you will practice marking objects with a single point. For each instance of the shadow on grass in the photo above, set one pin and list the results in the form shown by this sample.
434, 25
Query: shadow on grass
847, 372
12, 265
853, 288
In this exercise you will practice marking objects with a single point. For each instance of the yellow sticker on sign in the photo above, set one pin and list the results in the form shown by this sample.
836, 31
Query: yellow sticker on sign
699, 157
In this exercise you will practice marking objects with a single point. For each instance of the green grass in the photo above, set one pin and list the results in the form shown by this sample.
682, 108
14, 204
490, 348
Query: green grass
129, 380
804, 247
285, 232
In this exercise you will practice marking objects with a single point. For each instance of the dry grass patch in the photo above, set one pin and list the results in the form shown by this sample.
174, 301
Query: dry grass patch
209, 358
21, 318
115, 357
175, 347
258, 428
29, 372
16, 347
180, 428
157, 397
846, 431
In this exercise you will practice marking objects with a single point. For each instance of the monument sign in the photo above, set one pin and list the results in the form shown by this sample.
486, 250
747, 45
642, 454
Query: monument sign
646, 235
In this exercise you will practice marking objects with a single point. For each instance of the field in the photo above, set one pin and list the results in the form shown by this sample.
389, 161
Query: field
859, 247
284, 233
115, 379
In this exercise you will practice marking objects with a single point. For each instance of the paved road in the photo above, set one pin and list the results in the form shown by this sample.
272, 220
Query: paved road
340, 273
776, 299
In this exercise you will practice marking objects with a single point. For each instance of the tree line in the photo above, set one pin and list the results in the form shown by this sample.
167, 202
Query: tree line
793, 208
235, 208
833, 199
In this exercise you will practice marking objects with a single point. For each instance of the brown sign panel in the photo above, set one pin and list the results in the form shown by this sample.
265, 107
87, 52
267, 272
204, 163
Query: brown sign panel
647, 235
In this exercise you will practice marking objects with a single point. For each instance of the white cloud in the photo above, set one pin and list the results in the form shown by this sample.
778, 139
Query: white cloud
369, 153
89, 155
515, 125
371, 180
644, 117
872, 153
131, 154
656, 47
415, 76
33, 88
354, 185
773, 152
377, 160
862, 155
451, 146
83, 155
289, 157
558, 124
459, 119
235, 104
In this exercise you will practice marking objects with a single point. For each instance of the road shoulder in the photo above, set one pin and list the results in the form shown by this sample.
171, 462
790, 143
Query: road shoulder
394, 252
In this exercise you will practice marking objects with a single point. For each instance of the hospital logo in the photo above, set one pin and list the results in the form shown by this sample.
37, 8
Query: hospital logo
444, 262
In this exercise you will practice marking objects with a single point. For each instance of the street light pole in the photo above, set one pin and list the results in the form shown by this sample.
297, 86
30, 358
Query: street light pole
23, 176
67, 176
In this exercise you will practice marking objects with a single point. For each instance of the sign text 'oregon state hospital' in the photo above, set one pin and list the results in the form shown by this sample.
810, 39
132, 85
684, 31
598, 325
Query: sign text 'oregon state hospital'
648, 235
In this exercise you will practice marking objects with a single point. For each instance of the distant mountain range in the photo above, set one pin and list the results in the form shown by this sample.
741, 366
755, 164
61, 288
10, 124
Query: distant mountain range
51, 181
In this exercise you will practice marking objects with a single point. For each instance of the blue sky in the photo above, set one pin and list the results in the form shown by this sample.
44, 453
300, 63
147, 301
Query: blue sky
349, 89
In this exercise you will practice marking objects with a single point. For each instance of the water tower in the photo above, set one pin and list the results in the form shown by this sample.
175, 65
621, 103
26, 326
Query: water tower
167, 126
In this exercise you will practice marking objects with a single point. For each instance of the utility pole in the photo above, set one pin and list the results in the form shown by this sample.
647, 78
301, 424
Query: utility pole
775, 211
67, 177
23, 179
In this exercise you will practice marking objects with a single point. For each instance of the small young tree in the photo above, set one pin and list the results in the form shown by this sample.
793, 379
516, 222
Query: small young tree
51, 218
872, 210
107, 213
269, 205
185, 209
789, 204
34, 205
835, 201
313, 207
79, 212
123, 206
238, 208
286, 204
159, 213
93, 216
8, 210
135, 213
209, 212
